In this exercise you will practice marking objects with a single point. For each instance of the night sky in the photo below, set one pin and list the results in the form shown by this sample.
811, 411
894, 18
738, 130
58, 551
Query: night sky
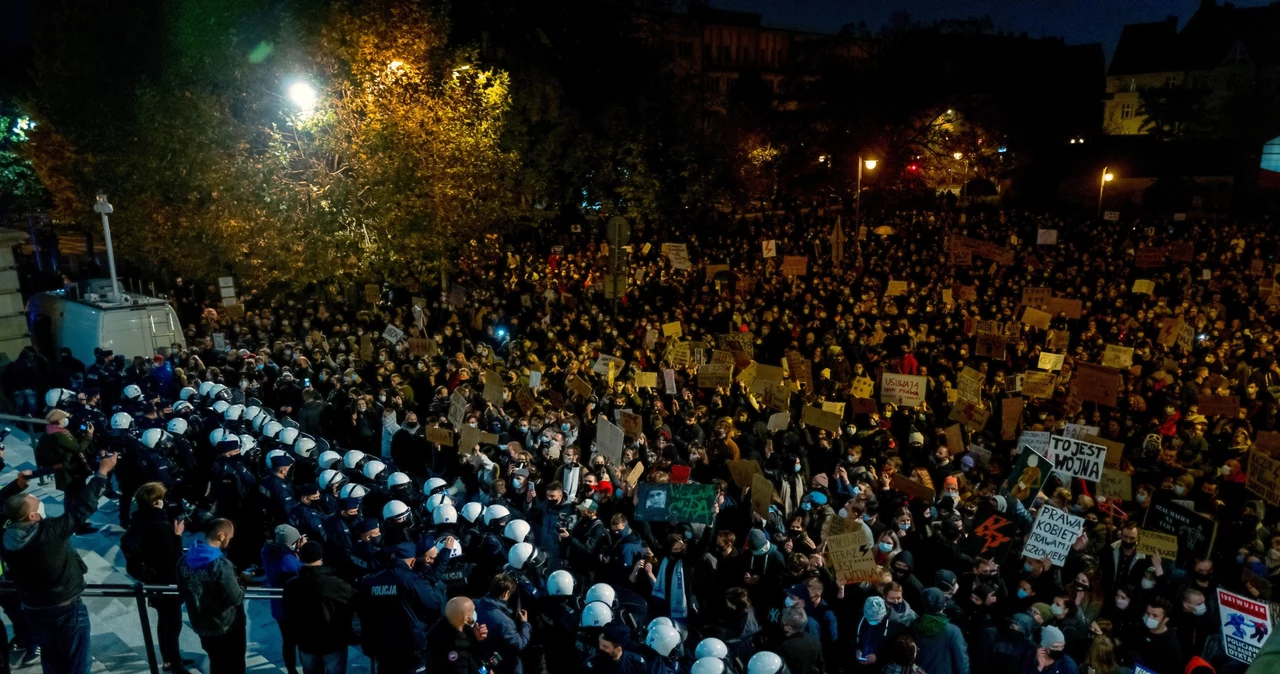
1079, 21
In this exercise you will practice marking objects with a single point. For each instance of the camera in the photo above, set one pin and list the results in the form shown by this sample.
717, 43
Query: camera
566, 521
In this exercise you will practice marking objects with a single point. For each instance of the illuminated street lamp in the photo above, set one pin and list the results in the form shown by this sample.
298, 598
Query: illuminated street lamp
870, 164
1107, 177
304, 96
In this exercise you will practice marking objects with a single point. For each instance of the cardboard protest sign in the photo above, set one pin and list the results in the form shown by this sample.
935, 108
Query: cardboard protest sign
1115, 484
863, 406
834, 408
902, 389
981, 455
1149, 257
672, 329
1158, 542
1052, 535
969, 382
896, 288
742, 472
636, 473
991, 539
472, 437
1195, 532
1061, 305
372, 292
988, 345
647, 379
579, 387
713, 269
1038, 441
955, 438
525, 399
1169, 329
850, 557
862, 387
632, 425
1097, 384
1144, 287
912, 488
440, 436
1182, 251
1035, 318
771, 373
689, 503
1115, 450
769, 248
1057, 340
678, 255
1077, 458
1051, 361
974, 417
1046, 237
1264, 477
609, 439
457, 409
1246, 623
493, 390
605, 361
714, 375
680, 474
1010, 417
1267, 442
827, 421
795, 265
1214, 406
761, 495
1036, 297
1028, 475
1118, 356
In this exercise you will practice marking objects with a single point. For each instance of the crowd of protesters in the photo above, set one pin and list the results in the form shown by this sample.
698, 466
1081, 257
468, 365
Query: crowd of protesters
316, 443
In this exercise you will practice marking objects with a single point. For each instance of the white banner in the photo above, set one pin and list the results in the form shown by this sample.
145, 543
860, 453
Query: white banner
1054, 532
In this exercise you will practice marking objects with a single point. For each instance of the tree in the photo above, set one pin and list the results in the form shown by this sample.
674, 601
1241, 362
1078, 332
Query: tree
1174, 112
214, 170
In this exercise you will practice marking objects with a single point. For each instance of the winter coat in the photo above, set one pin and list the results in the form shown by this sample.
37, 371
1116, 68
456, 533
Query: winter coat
207, 583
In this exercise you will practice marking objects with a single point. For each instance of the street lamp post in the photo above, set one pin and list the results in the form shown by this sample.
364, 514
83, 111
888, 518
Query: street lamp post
959, 156
857, 200
1102, 185
104, 208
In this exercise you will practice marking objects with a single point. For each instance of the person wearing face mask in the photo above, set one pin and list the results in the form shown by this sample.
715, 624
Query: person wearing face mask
280, 563
1156, 646
454, 645
1193, 622
152, 547
550, 517
873, 632
1051, 657
902, 569
396, 607
1122, 564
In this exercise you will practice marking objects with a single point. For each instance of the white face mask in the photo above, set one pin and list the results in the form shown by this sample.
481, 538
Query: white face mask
1180, 490
1150, 622
1147, 583
1122, 603
1199, 610
40, 509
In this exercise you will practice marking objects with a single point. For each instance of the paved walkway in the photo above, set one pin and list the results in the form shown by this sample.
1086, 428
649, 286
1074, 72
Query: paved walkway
117, 641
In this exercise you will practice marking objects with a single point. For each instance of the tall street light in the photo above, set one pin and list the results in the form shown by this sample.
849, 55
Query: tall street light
304, 96
1107, 177
857, 200
103, 208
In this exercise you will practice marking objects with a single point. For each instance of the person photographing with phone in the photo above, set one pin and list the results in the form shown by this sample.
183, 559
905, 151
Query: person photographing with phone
47, 571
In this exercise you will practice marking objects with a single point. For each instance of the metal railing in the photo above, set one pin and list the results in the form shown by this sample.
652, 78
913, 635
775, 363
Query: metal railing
140, 594
30, 424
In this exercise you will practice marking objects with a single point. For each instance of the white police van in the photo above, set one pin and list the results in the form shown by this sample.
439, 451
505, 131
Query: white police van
129, 324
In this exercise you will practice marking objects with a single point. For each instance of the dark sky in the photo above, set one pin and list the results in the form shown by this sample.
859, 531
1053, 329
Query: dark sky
1079, 21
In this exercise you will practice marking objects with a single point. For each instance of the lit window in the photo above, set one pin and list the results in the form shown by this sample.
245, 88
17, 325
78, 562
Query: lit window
1126, 110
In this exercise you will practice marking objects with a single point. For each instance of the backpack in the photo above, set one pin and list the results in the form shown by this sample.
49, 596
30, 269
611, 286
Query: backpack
134, 564
47, 451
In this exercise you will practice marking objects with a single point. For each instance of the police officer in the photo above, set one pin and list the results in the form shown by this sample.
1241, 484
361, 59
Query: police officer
367, 553
558, 622
662, 646
277, 493
397, 607
338, 537
305, 515
153, 464
611, 658
592, 621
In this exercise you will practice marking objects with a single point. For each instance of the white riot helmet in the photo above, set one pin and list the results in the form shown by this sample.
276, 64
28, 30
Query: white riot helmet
436, 501
152, 437
352, 491
472, 511
270, 428
328, 478
58, 396
352, 458
662, 639
596, 614
328, 458
517, 531
121, 421
205, 387
520, 554
560, 583
183, 407
394, 511
764, 662
495, 512
132, 393
602, 593
221, 406
271, 455
177, 426
711, 647
433, 486
304, 447
397, 478
251, 412
233, 413
187, 392
219, 391
374, 468
260, 421
708, 665
445, 514
247, 443
288, 435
